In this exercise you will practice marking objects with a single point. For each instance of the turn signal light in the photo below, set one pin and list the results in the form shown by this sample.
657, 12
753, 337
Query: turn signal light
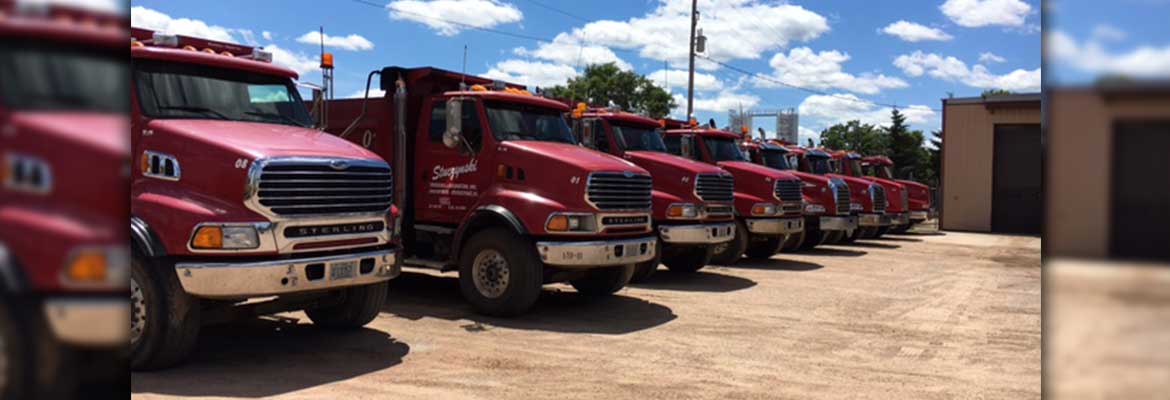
558, 223
87, 266
208, 237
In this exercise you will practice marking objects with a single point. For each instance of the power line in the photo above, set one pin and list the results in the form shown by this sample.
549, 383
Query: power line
558, 11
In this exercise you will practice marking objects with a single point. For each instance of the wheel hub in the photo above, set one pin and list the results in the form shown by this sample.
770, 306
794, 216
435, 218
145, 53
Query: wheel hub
137, 311
490, 272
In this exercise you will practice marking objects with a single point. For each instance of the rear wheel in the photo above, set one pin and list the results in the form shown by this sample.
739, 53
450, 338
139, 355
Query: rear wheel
766, 248
164, 320
643, 271
687, 259
360, 306
729, 252
603, 281
500, 273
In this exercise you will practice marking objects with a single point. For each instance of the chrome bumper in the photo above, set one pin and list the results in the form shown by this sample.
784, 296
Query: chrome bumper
900, 219
838, 223
919, 216
267, 278
873, 220
697, 234
602, 253
775, 226
100, 322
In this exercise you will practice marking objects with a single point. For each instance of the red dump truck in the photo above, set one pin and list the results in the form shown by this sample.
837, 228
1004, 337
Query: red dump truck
63, 155
693, 202
768, 202
494, 186
238, 204
868, 199
850, 164
827, 201
916, 196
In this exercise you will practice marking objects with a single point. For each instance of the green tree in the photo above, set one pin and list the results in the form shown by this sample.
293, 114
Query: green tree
855, 136
602, 84
906, 149
934, 172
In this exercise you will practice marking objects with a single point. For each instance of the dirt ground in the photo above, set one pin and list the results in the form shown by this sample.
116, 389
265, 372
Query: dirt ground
924, 316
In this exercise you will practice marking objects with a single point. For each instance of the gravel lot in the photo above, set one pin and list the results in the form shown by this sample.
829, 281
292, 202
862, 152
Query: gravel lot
926, 316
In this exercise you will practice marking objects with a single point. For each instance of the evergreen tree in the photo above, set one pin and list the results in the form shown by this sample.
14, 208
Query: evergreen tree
905, 147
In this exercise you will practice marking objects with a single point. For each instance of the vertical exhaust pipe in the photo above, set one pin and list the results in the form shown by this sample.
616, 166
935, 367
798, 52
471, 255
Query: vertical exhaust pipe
400, 144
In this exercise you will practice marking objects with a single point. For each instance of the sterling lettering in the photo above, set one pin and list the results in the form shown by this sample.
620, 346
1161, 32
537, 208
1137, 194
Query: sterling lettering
454, 172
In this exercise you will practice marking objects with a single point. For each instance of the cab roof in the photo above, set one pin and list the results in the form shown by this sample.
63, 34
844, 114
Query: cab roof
67, 26
706, 132
222, 54
882, 160
507, 97
623, 116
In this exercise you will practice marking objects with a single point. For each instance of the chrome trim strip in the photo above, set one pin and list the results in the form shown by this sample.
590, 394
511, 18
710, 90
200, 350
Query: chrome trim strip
697, 234
97, 322
774, 226
838, 223
596, 253
267, 278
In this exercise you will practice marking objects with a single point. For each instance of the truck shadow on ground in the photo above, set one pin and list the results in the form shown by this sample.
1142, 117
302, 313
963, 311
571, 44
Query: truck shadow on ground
888, 238
871, 244
267, 357
415, 296
777, 264
700, 281
833, 252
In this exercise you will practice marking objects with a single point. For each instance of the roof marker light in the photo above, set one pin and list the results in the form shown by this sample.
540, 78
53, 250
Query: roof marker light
262, 56
165, 40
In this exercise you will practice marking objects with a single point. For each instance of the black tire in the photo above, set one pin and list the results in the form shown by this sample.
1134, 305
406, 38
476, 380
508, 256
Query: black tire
812, 239
643, 271
172, 317
882, 231
360, 306
900, 229
851, 236
766, 248
603, 281
869, 232
525, 272
733, 251
793, 242
14, 347
834, 237
688, 259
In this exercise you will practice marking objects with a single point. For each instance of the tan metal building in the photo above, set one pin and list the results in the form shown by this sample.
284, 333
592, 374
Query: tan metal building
992, 164
1108, 172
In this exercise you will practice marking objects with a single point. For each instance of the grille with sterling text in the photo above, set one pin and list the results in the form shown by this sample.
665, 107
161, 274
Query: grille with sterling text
715, 187
316, 187
619, 191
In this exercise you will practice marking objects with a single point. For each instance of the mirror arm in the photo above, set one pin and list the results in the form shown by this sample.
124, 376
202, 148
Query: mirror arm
365, 102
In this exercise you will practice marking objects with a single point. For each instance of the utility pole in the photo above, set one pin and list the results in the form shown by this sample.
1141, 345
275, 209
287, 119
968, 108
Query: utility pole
691, 79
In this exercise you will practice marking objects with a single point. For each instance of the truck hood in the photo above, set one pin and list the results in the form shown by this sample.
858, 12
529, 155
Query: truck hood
570, 155
654, 161
819, 180
260, 140
914, 185
98, 132
744, 167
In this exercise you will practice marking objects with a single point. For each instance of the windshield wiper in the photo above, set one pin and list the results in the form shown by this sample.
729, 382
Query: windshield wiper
197, 109
281, 117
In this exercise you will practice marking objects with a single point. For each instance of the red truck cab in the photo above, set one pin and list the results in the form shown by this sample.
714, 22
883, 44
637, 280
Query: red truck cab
693, 202
850, 163
493, 185
235, 196
768, 202
917, 195
868, 199
63, 260
827, 201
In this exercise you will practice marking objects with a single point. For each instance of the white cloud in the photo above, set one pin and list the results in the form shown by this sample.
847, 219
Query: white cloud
435, 14
1141, 62
822, 111
293, 60
912, 32
727, 99
266, 35
989, 57
955, 70
374, 93
142, 17
1106, 32
978, 13
677, 78
108, 6
531, 73
569, 50
804, 134
352, 42
802, 67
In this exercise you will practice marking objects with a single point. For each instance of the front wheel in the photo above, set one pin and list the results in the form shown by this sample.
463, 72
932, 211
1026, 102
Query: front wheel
852, 236
883, 230
767, 247
644, 270
900, 229
729, 252
164, 319
500, 273
834, 237
793, 242
688, 259
603, 281
360, 306
812, 239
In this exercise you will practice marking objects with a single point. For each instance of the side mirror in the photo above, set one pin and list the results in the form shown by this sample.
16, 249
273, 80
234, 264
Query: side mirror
454, 133
687, 146
318, 110
587, 135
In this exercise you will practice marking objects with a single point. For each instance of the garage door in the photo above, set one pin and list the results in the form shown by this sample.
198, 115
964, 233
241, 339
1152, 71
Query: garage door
1141, 191
1017, 183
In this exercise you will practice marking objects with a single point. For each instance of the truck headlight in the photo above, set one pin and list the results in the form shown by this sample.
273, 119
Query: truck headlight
227, 237
96, 267
682, 211
568, 223
764, 209
814, 208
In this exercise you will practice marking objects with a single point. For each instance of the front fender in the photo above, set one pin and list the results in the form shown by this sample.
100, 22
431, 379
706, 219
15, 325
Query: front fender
172, 215
37, 242
745, 201
662, 200
529, 208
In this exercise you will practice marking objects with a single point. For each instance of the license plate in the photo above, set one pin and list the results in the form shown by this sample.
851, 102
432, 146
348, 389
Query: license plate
342, 270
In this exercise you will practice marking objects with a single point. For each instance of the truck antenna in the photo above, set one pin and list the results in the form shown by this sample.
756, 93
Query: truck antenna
463, 77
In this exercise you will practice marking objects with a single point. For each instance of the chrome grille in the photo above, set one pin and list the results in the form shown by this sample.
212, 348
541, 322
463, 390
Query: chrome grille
715, 187
619, 191
790, 196
321, 186
842, 197
879, 199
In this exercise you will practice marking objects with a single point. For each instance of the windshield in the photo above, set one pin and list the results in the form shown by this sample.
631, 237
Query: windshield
723, 149
880, 171
632, 137
819, 165
49, 76
511, 121
775, 159
175, 90
854, 167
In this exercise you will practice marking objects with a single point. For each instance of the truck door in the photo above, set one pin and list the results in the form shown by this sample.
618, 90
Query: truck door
449, 180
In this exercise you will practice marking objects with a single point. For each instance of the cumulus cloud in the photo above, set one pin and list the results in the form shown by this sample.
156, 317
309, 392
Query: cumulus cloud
727, 99
294, 60
531, 73
822, 70
979, 13
677, 78
955, 70
109, 6
266, 35
435, 14
361, 93
989, 57
569, 50
822, 111
912, 32
1106, 32
143, 17
352, 42
1141, 62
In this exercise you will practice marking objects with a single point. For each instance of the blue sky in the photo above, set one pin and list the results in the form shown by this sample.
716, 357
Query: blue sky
1087, 39
856, 57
